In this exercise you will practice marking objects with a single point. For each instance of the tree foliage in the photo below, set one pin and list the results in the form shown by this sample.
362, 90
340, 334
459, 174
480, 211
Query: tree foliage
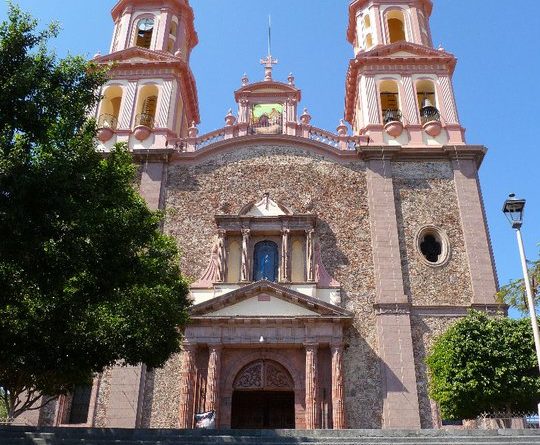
484, 364
514, 294
86, 277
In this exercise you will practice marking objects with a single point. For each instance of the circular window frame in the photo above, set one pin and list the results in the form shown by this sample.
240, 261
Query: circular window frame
442, 237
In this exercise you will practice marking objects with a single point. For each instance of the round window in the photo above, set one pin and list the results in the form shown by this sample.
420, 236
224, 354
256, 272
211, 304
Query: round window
433, 246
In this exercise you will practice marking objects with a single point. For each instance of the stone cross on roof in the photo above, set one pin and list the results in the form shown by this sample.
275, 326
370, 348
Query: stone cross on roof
268, 63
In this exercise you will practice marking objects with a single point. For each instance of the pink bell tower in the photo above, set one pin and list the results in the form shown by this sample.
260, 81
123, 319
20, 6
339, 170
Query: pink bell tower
151, 96
399, 88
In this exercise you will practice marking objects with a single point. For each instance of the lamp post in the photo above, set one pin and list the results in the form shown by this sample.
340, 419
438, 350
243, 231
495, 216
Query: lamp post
513, 209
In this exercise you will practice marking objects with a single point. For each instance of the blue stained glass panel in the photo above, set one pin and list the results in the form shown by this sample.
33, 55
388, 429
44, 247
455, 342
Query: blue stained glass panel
265, 261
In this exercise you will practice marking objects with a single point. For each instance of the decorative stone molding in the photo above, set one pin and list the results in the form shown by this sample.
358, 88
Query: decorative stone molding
392, 309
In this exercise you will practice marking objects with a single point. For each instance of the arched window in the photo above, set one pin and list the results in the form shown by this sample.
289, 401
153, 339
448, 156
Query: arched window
427, 101
369, 41
389, 94
396, 26
147, 106
367, 22
110, 107
145, 30
265, 261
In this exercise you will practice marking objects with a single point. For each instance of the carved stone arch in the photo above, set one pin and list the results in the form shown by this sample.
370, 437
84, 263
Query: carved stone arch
263, 375
281, 359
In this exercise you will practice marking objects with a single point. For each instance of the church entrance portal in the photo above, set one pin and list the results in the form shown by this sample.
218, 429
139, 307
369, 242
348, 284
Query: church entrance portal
262, 410
263, 397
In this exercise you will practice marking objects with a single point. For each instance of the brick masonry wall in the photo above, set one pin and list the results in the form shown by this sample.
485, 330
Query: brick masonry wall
425, 195
305, 182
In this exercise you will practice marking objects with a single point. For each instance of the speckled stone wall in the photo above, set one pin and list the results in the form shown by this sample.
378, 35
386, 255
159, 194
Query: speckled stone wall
425, 195
425, 330
305, 182
335, 190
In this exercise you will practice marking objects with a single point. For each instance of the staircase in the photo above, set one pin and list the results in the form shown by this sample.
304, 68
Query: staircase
82, 436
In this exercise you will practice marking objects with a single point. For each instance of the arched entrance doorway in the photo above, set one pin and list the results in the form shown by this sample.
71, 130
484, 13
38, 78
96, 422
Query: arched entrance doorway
263, 397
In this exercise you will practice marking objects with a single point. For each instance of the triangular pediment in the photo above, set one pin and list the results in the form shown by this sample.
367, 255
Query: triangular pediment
405, 49
138, 55
265, 299
265, 207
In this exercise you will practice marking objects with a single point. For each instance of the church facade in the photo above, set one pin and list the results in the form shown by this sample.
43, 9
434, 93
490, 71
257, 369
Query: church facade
323, 263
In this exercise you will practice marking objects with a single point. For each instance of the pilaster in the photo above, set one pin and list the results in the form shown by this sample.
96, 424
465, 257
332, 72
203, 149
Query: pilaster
338, 408
311, 386
213, 379
187, 387
310, 255
244, 272
475, 231
400, 405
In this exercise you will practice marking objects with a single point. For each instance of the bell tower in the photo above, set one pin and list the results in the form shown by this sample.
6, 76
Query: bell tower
399, 88
151, 96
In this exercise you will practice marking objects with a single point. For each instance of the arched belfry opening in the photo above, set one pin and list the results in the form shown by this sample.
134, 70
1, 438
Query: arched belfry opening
263, 397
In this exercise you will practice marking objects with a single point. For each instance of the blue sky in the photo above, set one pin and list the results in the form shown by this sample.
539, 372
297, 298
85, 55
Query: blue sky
496, 45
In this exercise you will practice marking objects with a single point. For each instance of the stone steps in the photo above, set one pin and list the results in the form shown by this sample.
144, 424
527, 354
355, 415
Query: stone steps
83, 436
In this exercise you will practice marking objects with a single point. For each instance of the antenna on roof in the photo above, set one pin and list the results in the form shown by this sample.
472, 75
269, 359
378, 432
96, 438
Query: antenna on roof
269, 35
269, 61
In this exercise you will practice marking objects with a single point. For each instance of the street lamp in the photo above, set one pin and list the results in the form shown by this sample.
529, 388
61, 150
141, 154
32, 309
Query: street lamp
513, 209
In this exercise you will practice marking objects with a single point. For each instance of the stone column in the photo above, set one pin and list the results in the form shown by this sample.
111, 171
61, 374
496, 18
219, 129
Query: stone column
338, 409
311, 386
187, 386
222, 257
212, 381
310, 255
285, 269
244, 273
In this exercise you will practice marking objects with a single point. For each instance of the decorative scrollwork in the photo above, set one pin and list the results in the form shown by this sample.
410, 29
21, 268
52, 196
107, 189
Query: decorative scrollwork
250, 377
264, 375
277, 377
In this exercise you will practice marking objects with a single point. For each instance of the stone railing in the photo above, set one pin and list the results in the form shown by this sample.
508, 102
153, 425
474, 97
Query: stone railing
341, 140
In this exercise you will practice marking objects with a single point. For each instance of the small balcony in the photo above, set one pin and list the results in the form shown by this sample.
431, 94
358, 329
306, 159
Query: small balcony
107, 121
106, 124
429, 114
144, 124
431, 120
392, 118
144, 120
392, 115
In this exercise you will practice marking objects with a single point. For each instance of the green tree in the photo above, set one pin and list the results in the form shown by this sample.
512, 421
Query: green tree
514, 294
484, 364
86, 278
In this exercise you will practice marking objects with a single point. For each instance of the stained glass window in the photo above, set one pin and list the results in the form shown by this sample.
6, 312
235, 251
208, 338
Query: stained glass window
265, 261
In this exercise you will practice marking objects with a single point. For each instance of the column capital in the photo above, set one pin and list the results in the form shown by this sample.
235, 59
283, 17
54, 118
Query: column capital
190, 347
215, 346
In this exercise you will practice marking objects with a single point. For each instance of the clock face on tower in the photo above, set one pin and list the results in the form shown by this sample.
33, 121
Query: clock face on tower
146, 24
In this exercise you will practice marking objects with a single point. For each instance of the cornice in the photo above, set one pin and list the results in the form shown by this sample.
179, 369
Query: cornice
120, 67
